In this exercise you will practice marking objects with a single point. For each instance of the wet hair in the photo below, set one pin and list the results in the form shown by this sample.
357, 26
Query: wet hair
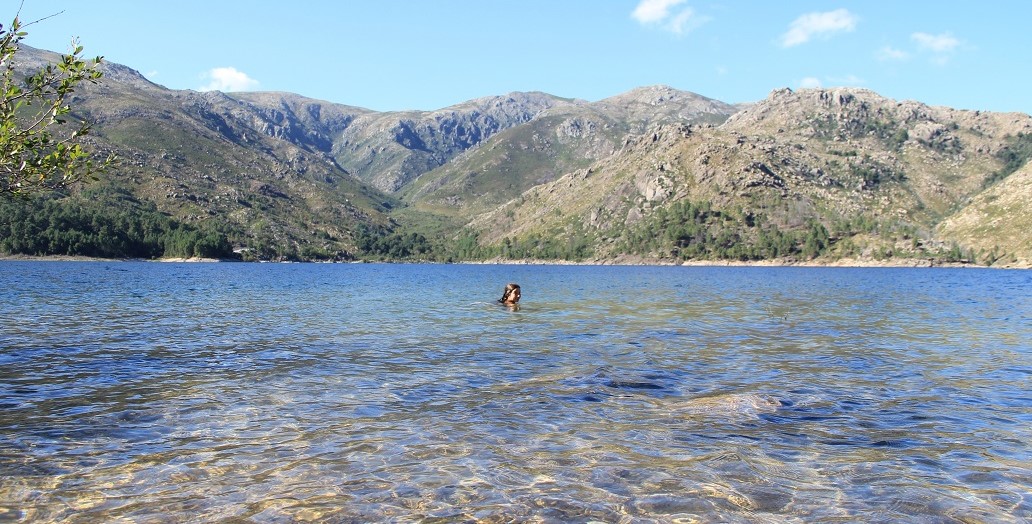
509, 289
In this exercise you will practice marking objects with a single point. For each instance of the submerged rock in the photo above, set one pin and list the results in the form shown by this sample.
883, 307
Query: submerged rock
748, 404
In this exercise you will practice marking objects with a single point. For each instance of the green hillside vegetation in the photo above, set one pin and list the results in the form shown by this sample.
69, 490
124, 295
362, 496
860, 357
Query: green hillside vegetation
997, 222
103, 223
1014, 155
696, 231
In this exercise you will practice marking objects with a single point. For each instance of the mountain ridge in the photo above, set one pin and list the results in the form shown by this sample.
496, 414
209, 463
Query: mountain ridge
842, 160
290, 176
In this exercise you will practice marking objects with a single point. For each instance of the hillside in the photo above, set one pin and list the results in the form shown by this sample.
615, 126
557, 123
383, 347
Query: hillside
208, 158
997, 221
652, 174
859, 175
560, 140
389, 150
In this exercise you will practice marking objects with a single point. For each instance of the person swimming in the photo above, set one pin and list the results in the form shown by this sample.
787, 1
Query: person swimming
511, 295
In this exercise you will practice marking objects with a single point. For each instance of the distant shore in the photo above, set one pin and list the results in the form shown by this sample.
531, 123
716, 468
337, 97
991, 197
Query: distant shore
618, 261
68, 258
844, 262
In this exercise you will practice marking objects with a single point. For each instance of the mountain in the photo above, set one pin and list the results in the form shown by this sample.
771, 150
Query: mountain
653, 174
262, 174
391, 149
859, 175
559, 140
388, 150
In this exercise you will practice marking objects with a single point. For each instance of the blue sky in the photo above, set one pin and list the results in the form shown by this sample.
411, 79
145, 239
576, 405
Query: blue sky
427, 54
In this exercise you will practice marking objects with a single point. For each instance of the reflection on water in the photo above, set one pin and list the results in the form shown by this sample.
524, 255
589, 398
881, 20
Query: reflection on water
274, 393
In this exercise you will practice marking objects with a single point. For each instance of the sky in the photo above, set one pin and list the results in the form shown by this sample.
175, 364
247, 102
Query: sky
390, 55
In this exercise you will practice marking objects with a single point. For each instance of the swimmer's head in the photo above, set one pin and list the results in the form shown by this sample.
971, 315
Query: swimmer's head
511, 295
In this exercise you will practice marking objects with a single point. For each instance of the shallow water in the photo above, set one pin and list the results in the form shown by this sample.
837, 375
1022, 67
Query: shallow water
150, 392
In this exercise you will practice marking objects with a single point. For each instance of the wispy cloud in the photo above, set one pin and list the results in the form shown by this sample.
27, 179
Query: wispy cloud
937, 48
848, 81
940, 47
943, 43
811, 25
889, 53
668, 15
653, 11
228, 79
810, 82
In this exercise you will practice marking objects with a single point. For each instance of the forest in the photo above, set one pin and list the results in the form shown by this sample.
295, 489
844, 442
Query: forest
104, 224
107, 222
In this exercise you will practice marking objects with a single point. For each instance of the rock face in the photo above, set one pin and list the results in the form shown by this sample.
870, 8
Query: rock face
312, 124
390, 149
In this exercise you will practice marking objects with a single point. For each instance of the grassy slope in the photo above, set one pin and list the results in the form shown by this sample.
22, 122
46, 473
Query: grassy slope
997, 220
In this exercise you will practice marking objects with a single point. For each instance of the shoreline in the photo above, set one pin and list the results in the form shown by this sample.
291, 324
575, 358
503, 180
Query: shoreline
842, 263
618, 261
71, 258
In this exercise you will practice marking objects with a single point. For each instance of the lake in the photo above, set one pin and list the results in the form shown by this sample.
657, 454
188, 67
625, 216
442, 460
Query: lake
159, 392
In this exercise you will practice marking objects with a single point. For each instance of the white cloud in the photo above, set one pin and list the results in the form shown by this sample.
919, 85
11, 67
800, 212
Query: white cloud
889, 53
848, 80
810, 25
940, 46
654, 11
684, 20
943, 43
661, 13
810, 82
228, 79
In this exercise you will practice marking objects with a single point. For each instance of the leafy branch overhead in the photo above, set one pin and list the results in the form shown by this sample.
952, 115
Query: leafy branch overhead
39, 146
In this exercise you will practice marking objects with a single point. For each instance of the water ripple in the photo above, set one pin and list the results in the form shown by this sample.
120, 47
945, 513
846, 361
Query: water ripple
149, 392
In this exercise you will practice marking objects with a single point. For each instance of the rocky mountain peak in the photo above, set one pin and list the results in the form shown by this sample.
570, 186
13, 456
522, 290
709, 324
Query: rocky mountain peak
659, 103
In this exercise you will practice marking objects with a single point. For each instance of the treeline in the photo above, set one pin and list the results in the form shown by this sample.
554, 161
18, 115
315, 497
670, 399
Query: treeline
103, 224
409, 245
1014, 156
696, 231
394, 245
572, 245
684, 230
110, 223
